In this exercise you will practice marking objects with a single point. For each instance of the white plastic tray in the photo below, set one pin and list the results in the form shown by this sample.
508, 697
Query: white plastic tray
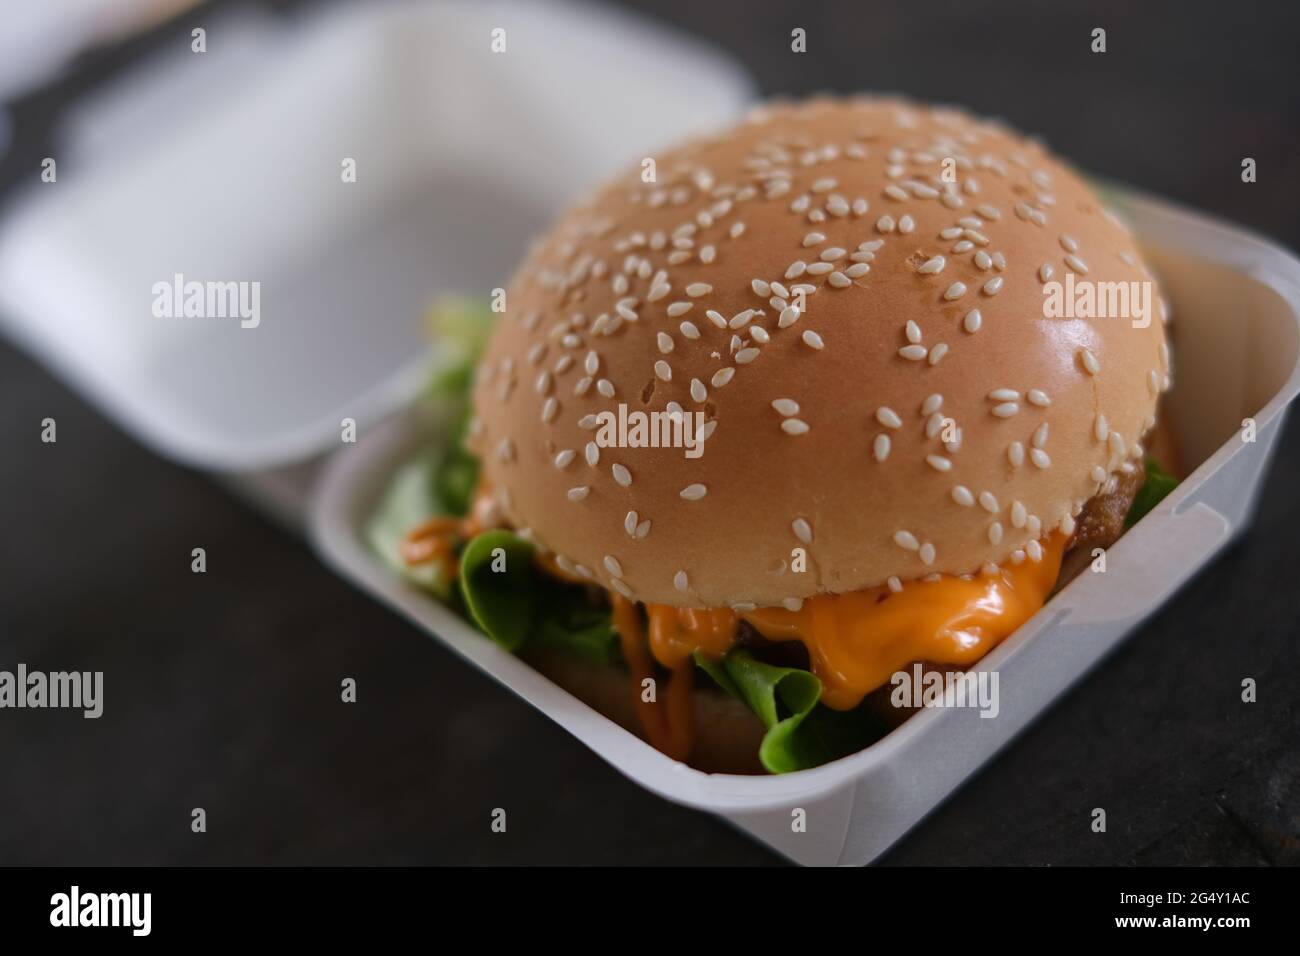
1236, 301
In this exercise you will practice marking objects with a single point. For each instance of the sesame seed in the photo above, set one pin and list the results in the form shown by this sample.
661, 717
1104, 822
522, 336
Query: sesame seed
1116, 442
1018, 515
577, 494
1004, 395
1034, 550
629, 524
621, 475
1100, 428
786, 406
931, 404
931, 266
802, 530
824, 185
588, 422
741, 319
565, 458
895, 585
962, 495
796, 269
591, 452
1016, 454
689, 330
794, 426
880, 447
812, 239
697, 289
938, 462
1090, 363
965, 246
938, 352
612, 566
833, 253
680, 308
1045, 271
973, 321
664, 370
912, 331
1040, 436
995, 533
993, 286
760, 288
956, 291
759, 334
819, 268
698, 392
1068, 244
665, 342
618, 585
888, 417
624, 309
1033, 526
745, 356
549, 409
1098, 474
838, 280
605, 387
989, 502
926, 552
952, 232
1005, 409
812, 339
716, 318
1040, 458
857, 270
1067, 524
694, 492
885, 224
1077, 264
913, 353
905, 539
896, 192
722, 376
1038, 397
983, 261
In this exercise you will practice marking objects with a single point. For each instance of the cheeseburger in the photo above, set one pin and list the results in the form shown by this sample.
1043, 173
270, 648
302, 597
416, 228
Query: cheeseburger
787, 411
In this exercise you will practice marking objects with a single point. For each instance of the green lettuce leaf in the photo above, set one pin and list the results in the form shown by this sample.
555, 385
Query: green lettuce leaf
801, 732
515, 604
460, 327
1153, 491
412, 498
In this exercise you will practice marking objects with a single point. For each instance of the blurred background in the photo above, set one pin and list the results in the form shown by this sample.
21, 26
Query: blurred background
221, 689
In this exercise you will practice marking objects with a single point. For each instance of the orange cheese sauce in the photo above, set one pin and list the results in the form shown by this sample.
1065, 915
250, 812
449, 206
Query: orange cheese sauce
857, 641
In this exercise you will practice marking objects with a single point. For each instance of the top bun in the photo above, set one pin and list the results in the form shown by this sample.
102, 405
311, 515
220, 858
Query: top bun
921, 415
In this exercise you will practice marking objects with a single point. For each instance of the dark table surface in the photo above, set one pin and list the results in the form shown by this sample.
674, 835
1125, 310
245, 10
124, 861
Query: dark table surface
222, 689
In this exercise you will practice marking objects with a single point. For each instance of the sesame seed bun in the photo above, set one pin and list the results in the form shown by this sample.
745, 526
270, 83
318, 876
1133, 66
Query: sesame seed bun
921, 415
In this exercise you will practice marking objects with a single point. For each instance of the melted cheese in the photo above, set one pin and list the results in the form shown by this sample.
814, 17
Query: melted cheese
668, 726
856, 641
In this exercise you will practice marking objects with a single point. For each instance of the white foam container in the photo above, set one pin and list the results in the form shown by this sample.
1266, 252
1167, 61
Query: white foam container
227, 166
410, 91
1236, 301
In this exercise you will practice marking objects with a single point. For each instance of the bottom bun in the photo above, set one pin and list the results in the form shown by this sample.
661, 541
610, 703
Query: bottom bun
727, 733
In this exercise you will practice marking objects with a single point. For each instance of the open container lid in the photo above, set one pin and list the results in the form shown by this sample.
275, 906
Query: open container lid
462, 155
